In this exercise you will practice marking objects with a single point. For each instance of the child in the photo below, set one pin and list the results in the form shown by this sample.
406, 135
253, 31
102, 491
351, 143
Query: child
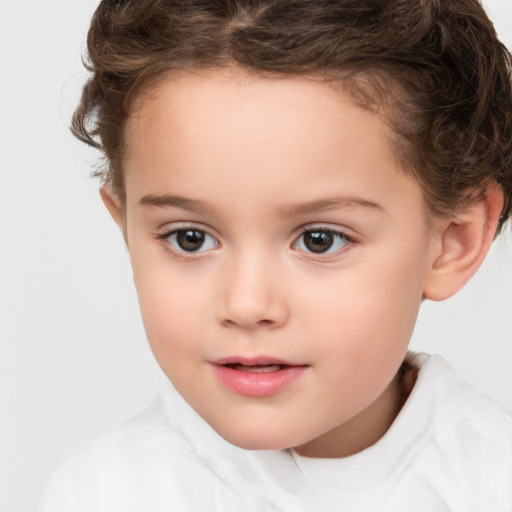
292, 179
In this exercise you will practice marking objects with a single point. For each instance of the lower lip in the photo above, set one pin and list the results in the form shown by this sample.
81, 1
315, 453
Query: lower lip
258, 383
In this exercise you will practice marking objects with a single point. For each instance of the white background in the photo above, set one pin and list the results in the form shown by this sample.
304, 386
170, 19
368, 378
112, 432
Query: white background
73, 355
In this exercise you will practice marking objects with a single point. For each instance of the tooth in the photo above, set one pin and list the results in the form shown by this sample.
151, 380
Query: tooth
259, 368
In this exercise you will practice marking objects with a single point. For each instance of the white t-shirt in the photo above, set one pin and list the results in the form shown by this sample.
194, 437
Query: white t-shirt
450, 449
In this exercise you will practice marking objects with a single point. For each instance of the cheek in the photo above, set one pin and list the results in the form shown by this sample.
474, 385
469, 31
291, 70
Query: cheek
171, 305
366, 314
375, 301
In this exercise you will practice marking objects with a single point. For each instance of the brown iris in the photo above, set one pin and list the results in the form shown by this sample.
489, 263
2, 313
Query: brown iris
318, 241
190, 239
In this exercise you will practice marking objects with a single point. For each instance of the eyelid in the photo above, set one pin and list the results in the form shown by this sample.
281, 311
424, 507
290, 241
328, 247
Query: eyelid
329, 228
171, 228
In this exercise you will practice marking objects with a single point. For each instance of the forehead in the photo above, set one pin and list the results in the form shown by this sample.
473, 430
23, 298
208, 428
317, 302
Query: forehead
261, 108
229, 133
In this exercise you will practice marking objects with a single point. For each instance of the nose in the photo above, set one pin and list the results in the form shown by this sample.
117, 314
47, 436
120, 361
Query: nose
251, 295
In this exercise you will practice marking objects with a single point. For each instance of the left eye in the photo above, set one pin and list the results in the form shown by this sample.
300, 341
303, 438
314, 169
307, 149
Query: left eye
191, 240
321, 241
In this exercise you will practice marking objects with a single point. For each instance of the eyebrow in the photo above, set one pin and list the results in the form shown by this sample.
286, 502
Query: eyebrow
166, 200
333, 203
290, 210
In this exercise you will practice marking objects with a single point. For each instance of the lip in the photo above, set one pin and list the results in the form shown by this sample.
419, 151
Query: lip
261, 383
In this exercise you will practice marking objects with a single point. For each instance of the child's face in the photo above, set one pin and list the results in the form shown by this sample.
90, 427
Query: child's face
279, 256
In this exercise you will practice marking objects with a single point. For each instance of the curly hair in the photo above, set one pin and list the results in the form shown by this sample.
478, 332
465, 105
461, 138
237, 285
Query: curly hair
434, 68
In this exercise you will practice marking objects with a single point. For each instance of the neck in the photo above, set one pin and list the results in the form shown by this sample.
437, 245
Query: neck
365, 429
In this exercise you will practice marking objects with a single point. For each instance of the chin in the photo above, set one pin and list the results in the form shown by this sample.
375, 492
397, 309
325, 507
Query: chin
248, 439
257, 444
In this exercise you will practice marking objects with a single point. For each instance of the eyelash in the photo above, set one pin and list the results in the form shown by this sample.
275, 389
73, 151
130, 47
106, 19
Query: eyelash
183, 254
318, 256
335, 233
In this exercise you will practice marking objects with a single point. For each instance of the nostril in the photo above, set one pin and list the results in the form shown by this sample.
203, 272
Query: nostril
250, 302
265, 322
229, 322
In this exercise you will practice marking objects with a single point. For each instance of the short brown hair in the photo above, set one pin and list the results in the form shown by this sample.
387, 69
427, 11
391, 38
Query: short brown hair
434, 67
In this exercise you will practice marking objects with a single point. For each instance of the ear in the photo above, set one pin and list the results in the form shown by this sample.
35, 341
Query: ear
461, 245
113, 204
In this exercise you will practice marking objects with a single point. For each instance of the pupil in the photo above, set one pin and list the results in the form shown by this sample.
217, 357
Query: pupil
190, 239
318, 241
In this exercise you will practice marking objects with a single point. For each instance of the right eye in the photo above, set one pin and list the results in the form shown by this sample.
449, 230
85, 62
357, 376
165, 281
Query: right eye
190, 240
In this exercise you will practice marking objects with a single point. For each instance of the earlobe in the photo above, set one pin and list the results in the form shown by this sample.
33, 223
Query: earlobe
462, 244
113, 204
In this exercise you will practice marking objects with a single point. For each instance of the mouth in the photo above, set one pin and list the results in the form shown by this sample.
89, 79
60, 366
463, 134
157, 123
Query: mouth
257, 377
256, 368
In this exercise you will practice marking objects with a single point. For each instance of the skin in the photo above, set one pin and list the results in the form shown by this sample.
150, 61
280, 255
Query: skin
254, 162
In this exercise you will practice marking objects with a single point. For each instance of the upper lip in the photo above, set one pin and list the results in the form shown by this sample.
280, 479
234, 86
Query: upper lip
254, 361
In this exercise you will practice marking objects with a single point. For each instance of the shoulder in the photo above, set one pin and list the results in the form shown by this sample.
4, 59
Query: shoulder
465, 449
454, 405
129, 467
